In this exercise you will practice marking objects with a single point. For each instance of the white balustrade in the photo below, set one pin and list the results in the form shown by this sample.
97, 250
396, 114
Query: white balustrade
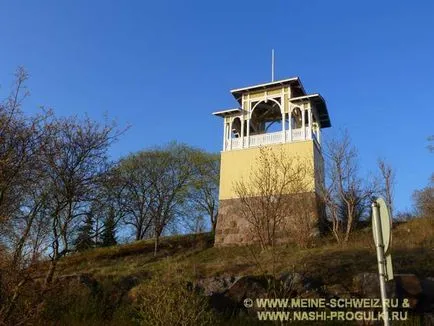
297, 134
236, 143
270, 138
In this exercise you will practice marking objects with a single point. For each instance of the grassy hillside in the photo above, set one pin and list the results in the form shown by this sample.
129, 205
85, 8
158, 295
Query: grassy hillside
413, 252
127, 285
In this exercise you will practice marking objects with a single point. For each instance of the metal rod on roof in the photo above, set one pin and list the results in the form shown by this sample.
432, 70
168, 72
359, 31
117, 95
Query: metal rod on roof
272, 65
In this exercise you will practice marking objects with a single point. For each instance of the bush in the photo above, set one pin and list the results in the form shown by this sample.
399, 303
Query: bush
71, 302
424, 200
166, 300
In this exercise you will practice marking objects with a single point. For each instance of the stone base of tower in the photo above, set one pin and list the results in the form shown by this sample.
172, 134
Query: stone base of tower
234, 229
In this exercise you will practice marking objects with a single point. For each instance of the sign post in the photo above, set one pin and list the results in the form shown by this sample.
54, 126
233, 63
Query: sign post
381, 228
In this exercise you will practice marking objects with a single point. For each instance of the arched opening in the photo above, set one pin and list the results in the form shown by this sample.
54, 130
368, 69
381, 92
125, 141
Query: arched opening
266, 117
296, 118
236, 128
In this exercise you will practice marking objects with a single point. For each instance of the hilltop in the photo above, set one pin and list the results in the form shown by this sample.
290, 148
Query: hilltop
102, 285
413, 252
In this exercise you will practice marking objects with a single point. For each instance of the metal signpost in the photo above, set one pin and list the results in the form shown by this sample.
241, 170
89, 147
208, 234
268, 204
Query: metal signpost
381, 228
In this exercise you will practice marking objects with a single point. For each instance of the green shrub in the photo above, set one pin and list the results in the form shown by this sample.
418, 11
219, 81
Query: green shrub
166, 300
71, 304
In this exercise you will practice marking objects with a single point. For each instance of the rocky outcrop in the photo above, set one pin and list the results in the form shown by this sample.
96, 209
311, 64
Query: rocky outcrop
212, 285
228, 294
86, 281
419, 291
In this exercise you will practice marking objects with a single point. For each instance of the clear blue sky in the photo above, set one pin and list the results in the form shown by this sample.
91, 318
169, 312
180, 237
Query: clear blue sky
165, 66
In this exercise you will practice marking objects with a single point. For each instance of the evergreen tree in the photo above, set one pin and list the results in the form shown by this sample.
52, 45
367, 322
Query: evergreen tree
84, 238
109, 231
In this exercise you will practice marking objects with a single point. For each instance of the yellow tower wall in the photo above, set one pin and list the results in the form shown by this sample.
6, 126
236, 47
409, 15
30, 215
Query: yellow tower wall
238, 164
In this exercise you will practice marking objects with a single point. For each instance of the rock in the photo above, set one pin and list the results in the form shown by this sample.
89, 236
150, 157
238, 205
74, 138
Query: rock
292, 282
124, 290
312, 285
76, 280
408, 286
227, 294
231, 301
128, 282
249, 287
420, 293
367, 285
212, 285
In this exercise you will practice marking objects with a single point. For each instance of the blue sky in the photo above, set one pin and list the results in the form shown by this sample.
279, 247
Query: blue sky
164, 66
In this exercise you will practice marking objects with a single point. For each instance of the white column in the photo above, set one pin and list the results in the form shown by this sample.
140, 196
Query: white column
303, 124
230, 134
282, 108
243, 110
248, 130
249, 116
290, 124
309, 112
242, 130
224, 134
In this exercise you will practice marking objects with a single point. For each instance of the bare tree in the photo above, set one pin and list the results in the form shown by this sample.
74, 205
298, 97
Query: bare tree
424, 200
110, 203
344, 187
170, 175
268, 196
134, 184
18, 146
192, 221
388, 180
22, 227
156, 188
48, 172
331, 203
205, 184
73, 158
